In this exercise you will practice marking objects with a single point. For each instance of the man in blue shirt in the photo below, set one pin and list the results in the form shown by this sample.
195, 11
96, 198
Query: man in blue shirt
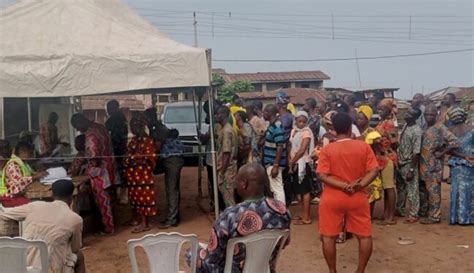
286, 117
275, 152
172, 155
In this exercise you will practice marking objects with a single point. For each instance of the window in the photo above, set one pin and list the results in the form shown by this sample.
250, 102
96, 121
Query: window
181, 114
162, 98
305, 85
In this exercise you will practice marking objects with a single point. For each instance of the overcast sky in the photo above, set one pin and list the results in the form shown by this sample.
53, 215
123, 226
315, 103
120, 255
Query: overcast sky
303, 29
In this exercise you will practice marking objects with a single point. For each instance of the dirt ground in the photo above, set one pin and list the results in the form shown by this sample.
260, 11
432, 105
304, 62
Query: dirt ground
438, 248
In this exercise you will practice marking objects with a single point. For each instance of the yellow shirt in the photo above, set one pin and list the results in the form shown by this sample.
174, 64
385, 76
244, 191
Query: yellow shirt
291, 107
234, 109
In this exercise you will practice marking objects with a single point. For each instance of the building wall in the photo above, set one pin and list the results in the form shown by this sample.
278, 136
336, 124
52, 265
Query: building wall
277, 85
309, 84
262, 87
257, 87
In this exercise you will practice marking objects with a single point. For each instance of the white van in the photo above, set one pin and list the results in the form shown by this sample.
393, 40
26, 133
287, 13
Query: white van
182, 116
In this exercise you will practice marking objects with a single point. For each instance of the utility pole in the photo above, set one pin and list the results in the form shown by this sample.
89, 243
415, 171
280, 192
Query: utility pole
358, 70
409, 28
195, 30
212, 29
332, 24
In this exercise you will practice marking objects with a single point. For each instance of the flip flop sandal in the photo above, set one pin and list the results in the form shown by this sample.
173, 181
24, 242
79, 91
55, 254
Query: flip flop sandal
296, 218
405, 241
140, 230
386, 223
410, 221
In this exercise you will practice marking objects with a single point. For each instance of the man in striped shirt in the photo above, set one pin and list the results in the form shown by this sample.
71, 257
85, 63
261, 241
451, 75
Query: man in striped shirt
274, 152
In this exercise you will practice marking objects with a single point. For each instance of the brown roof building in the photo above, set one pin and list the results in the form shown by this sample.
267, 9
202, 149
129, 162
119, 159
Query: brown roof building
266, 81
461, 93
98, 102
297, 95
93, 107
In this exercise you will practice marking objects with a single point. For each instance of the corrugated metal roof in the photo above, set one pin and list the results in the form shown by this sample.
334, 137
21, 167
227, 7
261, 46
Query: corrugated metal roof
361, 89
460, 93
297, 95
275, 76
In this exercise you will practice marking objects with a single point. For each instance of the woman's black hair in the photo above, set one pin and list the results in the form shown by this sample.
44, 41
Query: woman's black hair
243, 116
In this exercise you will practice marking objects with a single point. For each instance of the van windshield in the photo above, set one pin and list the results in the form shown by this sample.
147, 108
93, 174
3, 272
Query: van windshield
181, 114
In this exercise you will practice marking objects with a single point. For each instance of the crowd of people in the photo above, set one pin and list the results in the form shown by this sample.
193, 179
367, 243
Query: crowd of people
344, 155
341, 154
114, 166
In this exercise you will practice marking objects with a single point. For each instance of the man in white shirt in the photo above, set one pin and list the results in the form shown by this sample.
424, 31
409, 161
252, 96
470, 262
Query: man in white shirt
57, 225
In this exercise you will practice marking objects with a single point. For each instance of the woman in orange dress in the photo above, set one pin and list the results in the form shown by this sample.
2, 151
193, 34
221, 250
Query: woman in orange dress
140, 163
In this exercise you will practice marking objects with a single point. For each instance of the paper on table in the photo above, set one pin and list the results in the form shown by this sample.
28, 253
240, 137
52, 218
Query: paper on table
55, 174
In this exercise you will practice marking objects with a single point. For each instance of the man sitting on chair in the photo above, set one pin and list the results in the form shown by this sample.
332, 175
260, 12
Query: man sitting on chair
57, 225
252, 213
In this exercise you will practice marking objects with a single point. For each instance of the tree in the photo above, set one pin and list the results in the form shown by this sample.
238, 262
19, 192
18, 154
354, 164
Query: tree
217, 80
230, 89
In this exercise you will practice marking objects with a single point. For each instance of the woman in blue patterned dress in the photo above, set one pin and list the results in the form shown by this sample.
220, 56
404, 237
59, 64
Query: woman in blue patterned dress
462, 173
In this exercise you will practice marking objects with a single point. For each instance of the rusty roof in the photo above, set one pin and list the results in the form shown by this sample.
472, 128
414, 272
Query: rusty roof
297, 95
461, 93
98, 102
275, 76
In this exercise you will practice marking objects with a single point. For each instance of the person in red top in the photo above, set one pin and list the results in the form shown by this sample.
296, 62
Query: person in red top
100, 167
346, 167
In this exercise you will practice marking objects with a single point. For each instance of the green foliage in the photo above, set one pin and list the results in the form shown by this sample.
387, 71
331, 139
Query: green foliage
217, 80
230, 89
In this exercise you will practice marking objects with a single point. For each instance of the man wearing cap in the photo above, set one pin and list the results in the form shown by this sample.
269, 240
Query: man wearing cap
57, 225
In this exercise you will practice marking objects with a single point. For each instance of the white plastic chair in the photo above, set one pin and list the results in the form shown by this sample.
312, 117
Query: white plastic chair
13, 252
163, 251
258, 250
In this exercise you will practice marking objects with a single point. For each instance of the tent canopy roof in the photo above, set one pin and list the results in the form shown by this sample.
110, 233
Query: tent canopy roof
83, 47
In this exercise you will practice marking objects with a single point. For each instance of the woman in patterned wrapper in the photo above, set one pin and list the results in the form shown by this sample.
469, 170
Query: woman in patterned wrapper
139, 164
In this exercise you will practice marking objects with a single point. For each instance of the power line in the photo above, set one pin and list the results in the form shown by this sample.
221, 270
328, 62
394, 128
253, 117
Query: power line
294, 33
343, 59
312, 15
230, 22
244, 35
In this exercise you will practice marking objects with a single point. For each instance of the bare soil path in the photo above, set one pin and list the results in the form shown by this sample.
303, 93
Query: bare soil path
437, 248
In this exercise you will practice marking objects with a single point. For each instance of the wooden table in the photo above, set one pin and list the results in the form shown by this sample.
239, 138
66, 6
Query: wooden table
40, 191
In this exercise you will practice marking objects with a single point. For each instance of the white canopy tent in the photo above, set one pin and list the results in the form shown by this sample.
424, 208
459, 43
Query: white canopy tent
70, 48
84, 47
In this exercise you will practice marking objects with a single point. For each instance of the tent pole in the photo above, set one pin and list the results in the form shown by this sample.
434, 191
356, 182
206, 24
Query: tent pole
28, 103
210, 95
198, 129
200, 159
2, 117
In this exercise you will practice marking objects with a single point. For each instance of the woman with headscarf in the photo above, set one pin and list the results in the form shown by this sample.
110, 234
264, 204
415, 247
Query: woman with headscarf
330, 135
139, 165
388, 130
461, 209
300, 146
374, 189
364, 115
371, 137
